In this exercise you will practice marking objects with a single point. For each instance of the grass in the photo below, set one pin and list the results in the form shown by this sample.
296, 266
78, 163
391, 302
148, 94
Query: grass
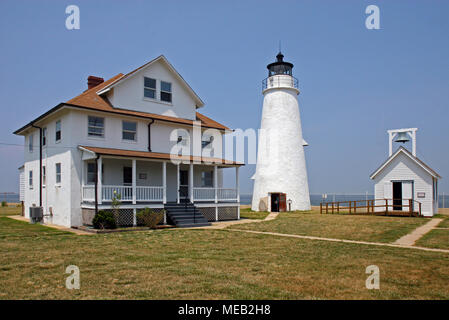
437, 238
11, 210
364, 228
444, 223
247, 213
208, 264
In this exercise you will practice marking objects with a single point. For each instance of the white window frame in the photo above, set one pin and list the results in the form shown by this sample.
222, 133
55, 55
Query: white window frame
94, 136
149, 88
30, 179
44, 136
94, 173
31, 142
44, 176
56, 131
203, 179
163, 91
129, 131
58, 164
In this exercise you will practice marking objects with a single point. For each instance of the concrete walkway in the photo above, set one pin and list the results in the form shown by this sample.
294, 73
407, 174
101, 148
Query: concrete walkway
411, 238
72, 230
340, 240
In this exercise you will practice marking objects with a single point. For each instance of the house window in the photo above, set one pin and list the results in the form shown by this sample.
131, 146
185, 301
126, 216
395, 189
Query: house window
127, 175
149, 90
165, 91
129, 130
30, 142
91, 173
44, 136
183, 137
30, 179
44, 176
95, 127
206, 179
58, 131
58, 173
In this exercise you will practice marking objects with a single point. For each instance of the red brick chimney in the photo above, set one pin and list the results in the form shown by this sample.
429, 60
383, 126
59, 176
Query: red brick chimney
93, 81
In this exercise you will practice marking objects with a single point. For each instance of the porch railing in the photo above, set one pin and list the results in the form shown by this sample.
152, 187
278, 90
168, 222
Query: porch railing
89, 193
210, 194
149, 193
125, 192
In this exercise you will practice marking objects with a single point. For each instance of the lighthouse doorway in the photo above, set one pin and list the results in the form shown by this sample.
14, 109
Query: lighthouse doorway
278, 202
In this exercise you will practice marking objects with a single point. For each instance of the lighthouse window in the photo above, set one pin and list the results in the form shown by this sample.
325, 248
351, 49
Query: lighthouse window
149, 90
165, 91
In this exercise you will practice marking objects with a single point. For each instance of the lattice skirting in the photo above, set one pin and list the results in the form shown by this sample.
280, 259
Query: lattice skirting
227, 213
224, 213
125, 217
208, 213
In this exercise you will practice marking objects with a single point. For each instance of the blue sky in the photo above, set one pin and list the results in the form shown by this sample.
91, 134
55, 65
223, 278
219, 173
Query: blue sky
355, 83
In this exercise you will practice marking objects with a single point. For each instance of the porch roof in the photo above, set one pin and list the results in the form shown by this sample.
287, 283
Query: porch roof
158, 156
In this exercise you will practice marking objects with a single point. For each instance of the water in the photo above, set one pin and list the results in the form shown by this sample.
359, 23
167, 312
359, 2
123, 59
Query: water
316, 199
10, 198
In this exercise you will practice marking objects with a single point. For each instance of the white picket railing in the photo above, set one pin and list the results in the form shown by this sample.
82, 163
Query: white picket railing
204, 194
125, 192
89, 193
226, 194
210, 194
149, 193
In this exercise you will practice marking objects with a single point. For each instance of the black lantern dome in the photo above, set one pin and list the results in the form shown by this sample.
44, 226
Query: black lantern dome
280, 66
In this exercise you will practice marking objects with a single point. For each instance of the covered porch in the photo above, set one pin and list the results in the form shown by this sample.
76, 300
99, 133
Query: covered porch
138, 181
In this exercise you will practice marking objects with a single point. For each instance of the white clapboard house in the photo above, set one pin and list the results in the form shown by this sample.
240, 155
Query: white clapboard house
119, 135
404, 180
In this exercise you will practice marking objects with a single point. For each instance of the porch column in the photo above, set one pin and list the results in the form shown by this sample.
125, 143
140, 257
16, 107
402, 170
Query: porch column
237, 183
237, 188
191, 182
215, 184
83, 178
100, 180
134, 181
177, 183
164, 182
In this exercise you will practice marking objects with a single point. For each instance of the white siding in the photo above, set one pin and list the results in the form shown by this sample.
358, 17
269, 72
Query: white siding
21, 184
403, 168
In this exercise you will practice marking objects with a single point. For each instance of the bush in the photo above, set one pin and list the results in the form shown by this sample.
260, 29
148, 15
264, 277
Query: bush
4, 204
104, 220
148, 218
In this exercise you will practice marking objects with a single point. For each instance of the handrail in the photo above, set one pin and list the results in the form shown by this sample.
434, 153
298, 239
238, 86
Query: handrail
279, 81
352, 205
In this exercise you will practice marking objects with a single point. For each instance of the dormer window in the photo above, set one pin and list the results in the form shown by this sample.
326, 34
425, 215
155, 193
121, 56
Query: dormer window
149, 90
165, 91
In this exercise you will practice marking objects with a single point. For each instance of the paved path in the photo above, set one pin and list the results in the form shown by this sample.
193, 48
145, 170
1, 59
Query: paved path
411, 238
340, 240
72, 230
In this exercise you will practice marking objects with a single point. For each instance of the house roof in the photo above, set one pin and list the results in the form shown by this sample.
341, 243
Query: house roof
156, 155
91, 100
199, 102
404, 151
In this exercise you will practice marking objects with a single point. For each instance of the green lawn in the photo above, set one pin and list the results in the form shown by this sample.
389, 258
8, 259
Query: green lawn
445, 222
355, 227
208, 264
10, 210
437, 238
247, 213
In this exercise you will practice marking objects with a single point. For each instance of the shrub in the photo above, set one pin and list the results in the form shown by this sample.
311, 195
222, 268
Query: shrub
104, 220
148, 218
4, 204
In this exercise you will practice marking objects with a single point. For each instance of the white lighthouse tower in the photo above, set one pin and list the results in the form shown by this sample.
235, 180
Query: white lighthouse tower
281, 175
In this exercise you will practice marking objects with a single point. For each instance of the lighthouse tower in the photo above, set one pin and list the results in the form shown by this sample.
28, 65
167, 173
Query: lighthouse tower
280, 181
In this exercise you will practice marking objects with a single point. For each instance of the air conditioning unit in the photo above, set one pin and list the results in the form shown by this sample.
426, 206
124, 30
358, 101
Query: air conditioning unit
36, 214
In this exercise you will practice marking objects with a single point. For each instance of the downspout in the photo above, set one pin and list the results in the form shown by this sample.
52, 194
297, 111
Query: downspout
40, 163
96, 183
149, 134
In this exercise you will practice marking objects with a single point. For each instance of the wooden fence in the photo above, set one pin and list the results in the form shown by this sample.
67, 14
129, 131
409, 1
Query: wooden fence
387, 207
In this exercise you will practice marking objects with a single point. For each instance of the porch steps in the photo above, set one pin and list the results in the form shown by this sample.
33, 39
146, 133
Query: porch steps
185, 215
